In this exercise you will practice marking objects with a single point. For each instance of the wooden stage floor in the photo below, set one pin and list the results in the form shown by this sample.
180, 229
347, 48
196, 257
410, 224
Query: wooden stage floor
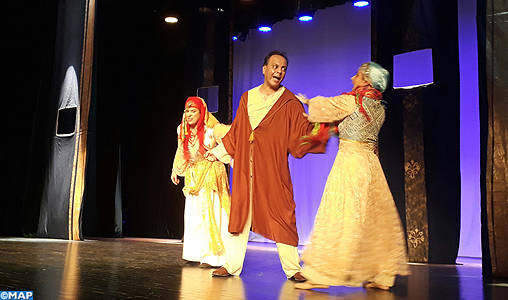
132, 268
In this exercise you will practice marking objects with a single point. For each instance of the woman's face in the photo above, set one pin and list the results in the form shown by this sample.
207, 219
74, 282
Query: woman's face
358, 80
192, 115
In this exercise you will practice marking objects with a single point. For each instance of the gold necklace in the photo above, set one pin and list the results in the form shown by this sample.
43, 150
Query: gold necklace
192, 139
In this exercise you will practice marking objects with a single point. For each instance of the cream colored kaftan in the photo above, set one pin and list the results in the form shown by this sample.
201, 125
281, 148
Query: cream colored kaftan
357, 234
207, 204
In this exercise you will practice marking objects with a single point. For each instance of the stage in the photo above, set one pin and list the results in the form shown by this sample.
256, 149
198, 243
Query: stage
140, 268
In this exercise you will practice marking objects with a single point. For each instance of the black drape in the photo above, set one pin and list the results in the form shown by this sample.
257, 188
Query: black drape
27, 58
146, 69
493, 79
404, 26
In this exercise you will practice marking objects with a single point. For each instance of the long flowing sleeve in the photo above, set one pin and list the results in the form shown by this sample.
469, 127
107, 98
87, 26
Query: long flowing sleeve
300, 126
238, 127
330, 109
179, 162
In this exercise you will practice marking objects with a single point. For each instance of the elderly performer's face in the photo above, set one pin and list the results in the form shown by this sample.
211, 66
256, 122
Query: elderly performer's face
275, 71
358, 80
192, 115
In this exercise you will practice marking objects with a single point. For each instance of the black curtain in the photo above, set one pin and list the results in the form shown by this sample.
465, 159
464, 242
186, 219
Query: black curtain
28, 45
404, 26
493, 78
145, 70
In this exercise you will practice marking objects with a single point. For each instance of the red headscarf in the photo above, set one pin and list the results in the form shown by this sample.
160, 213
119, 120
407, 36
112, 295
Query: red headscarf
205, 119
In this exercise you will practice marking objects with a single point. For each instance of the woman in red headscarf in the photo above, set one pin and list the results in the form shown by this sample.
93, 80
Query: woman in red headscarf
206, 190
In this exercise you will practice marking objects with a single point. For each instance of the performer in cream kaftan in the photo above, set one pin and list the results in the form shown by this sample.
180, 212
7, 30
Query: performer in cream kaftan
357, 237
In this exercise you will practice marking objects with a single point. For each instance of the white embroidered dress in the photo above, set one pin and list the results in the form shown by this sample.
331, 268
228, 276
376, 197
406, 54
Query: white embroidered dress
207, 203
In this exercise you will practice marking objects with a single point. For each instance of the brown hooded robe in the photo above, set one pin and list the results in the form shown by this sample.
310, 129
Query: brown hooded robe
277, 135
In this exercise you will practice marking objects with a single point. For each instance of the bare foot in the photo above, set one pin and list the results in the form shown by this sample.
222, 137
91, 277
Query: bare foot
222, 272
373, 285
308, 286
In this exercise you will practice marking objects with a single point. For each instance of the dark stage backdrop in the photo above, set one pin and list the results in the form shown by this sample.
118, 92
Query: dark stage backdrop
492, 45
404, 26
28, 45
145, 70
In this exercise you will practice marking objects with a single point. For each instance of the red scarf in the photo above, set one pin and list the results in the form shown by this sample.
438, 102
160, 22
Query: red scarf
365, 91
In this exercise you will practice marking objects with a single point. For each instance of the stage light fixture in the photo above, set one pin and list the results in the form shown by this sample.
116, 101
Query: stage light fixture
305, 11
306, 15
171, 20
242, 36
305, 18
360, 3
265, 28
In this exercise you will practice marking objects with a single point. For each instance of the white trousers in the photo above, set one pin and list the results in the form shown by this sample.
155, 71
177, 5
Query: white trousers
237, 246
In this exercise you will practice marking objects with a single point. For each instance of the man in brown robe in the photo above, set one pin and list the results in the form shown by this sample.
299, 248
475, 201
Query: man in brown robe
268, 126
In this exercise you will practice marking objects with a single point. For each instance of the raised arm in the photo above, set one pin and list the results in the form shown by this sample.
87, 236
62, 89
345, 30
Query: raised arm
330, 109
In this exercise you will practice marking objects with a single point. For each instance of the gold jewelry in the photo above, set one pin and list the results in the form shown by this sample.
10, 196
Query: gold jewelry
192, 138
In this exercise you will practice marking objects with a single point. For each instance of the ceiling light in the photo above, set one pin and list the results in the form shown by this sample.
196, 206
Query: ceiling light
171, 19
305, 18
265, 28
360, 3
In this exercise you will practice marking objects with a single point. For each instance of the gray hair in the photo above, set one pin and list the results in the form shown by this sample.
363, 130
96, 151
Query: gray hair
376, 75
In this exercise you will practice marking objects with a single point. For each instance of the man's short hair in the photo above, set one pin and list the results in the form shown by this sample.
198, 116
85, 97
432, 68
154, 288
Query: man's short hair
272, 53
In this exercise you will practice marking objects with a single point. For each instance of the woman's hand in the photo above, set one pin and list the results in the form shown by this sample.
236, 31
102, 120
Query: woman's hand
174, 178
303, 98
209, 156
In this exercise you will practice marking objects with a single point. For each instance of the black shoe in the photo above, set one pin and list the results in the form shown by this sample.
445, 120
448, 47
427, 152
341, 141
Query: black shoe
222, 272
298, 277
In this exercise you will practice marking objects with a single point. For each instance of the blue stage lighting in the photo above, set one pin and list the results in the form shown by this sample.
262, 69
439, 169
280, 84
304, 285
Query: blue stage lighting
361, 3
235, 38
305, 18
265, 28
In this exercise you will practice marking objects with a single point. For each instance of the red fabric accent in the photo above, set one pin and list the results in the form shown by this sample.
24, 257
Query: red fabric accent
362, 91
321, 135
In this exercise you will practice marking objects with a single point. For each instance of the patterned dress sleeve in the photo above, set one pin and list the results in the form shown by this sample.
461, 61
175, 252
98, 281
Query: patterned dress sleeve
179, 163
330, 109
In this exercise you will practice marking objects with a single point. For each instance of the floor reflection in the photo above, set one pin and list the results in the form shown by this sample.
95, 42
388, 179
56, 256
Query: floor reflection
69, 288
198, 283
153, 269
